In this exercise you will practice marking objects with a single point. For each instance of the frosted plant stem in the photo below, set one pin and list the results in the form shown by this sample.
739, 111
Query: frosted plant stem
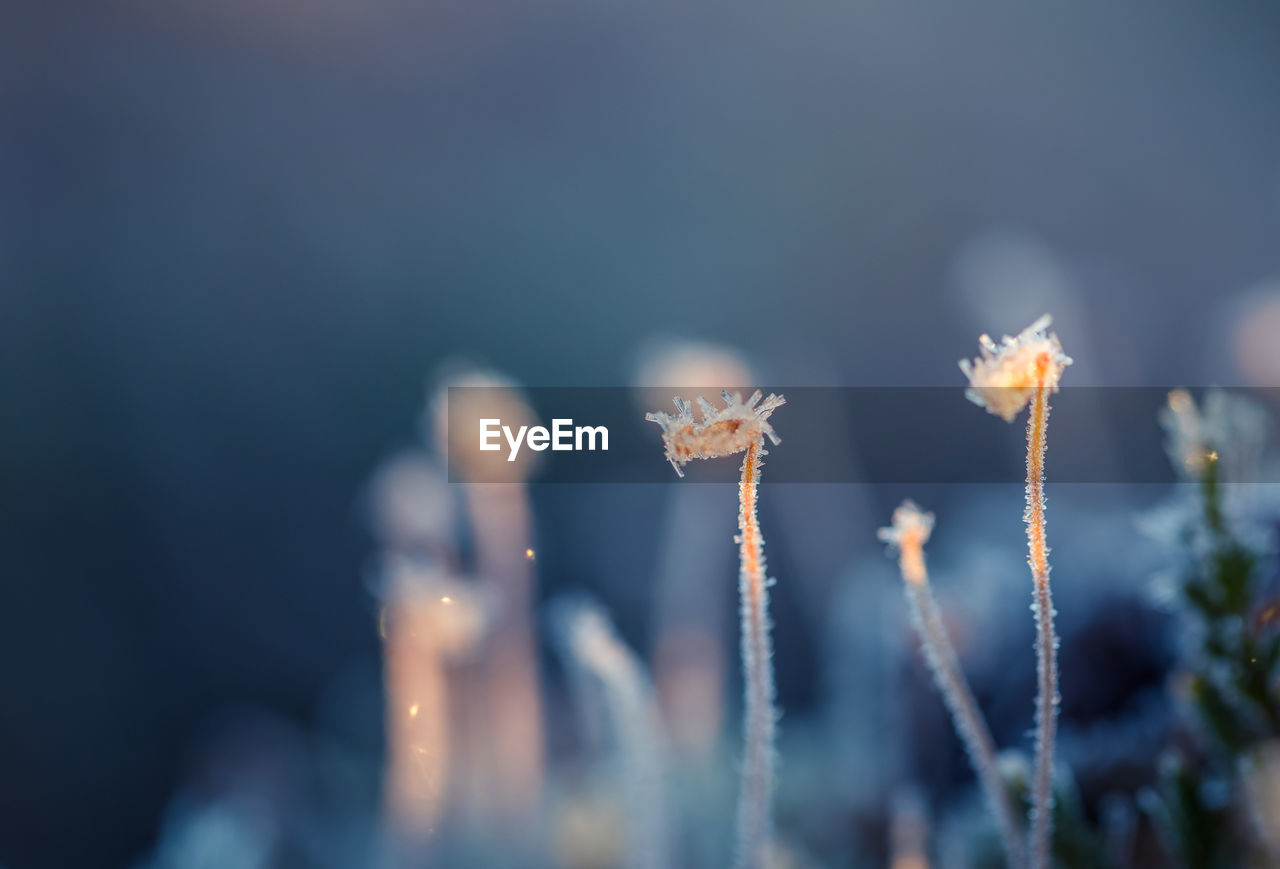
1046, 640
634, 717
755, 797
969, 723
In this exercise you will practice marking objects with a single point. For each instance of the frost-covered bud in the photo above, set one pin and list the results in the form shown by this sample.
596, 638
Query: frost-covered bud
731, 429
908, 533
1005, 376
910, 526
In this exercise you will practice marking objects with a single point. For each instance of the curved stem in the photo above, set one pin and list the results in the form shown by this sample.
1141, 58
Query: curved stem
756, 795
972, 727
1046, 640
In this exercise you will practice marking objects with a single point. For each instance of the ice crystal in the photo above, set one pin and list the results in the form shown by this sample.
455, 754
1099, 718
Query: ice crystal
720, 432
1006, 375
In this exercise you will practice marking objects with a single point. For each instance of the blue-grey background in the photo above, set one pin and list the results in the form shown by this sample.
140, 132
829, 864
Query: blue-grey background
236, 238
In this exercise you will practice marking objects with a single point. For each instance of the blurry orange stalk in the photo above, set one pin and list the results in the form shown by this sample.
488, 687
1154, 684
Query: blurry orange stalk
510, 762
417, 720
909, 532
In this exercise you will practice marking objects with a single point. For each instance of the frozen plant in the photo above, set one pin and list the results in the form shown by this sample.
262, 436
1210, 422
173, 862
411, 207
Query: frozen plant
1213, 448
592, 644
1232, 652
741, 427
689, 615
1004, 379
722, 431
908, 533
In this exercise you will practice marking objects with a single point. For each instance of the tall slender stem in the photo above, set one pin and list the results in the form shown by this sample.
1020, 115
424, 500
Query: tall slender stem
1046, 640
633, 714
972, 727
755, 797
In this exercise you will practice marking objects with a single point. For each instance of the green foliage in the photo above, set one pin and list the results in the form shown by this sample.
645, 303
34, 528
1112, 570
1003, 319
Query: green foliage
1230, 674
1196, 828
1235, 673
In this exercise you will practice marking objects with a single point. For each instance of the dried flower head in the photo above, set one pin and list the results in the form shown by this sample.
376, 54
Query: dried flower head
1005, 376
721, 431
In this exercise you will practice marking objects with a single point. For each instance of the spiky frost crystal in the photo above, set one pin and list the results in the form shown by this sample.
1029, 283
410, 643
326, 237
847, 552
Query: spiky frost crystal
1005, 376
721, 431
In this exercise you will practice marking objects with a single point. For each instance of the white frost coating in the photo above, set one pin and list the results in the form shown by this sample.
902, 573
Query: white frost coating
595, 646
1005, 376
908, 533
737, 427
755, 798
721, 431
1023, 370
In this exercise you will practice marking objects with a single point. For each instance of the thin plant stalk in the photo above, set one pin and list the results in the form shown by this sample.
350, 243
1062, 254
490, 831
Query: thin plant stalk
1046, 638
911, 529
760, 720
1004, 379
594, 645
741, 427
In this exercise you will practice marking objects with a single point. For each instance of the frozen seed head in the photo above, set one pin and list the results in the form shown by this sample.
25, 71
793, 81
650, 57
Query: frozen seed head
1006, 375
910, 526
721, 431
908, 533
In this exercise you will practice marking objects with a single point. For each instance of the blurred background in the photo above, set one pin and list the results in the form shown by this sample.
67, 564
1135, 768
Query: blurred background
239, 240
